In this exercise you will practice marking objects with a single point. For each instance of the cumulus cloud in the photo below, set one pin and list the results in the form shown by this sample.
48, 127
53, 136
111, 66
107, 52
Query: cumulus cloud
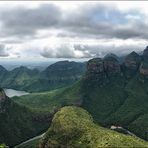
39, 27
63, 51
101, 50
90, 51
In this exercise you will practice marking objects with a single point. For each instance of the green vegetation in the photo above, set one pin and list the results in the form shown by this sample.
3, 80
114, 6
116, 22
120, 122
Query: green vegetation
73, 127
18, 123
119, 102
101, 102
51, 100
113, 94
3, 146
57, 75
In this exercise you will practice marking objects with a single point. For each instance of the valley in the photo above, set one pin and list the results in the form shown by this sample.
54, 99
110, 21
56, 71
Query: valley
56, 75
73, 74
113, 93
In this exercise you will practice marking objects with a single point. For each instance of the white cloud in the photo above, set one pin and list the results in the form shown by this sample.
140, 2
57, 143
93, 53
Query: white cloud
76, 29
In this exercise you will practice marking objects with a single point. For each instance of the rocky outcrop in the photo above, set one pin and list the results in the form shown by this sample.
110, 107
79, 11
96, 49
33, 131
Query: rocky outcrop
131, 64
145, 52
95, 66
132, 61
111, 66
3, 97
101, 69
144, 69
95, 70
144, 65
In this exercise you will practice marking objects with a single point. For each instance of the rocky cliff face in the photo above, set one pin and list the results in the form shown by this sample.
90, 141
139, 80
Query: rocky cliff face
144, 65
132, 61
3, 97
131, 64
95, 66
144, 69
145, 52
111, 66
101, 69
95, 70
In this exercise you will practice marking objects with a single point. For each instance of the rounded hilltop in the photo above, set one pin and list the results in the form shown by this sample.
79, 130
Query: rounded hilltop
74, 127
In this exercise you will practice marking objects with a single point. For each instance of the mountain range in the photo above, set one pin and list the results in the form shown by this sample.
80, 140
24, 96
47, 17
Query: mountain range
114, 93
57, 75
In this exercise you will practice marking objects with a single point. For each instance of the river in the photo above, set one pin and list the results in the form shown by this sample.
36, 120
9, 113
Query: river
12, 92
34, 138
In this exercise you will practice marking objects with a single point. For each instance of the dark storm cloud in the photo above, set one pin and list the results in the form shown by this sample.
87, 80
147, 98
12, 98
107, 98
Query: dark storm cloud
90, 21
3, 51
26, 21
101, 21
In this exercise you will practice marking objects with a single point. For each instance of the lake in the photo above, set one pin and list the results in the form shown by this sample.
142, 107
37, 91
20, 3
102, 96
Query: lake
13, 92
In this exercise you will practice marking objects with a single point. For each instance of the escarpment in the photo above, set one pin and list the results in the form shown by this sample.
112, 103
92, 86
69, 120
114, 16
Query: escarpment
102, 69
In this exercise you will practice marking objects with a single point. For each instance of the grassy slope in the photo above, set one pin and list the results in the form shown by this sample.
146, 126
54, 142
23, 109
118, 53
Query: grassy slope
3, 146
51, 100
101, 102
18, 124
73, 127
134, 112
119, 102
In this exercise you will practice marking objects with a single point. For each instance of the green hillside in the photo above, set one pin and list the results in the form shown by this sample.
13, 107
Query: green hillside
18, 123
57, 75
73, 127
3, 146
52, 100
116, 103
106, 91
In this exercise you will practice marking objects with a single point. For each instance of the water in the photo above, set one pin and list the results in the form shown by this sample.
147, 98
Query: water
31, 139
13, 92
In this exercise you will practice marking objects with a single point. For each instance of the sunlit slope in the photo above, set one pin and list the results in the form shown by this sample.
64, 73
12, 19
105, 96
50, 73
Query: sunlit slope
51, 101
73, 127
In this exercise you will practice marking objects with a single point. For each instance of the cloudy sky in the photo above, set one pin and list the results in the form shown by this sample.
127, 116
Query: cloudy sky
72, 29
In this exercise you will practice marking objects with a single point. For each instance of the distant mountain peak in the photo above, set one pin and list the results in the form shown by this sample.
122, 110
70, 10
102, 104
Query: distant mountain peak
134, 53
111, 55
145, 52
2, 68
132, 60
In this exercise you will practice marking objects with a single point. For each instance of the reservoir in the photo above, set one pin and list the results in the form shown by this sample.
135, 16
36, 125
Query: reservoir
12, 92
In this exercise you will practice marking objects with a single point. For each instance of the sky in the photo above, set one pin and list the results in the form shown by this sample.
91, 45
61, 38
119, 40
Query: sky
80, 29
